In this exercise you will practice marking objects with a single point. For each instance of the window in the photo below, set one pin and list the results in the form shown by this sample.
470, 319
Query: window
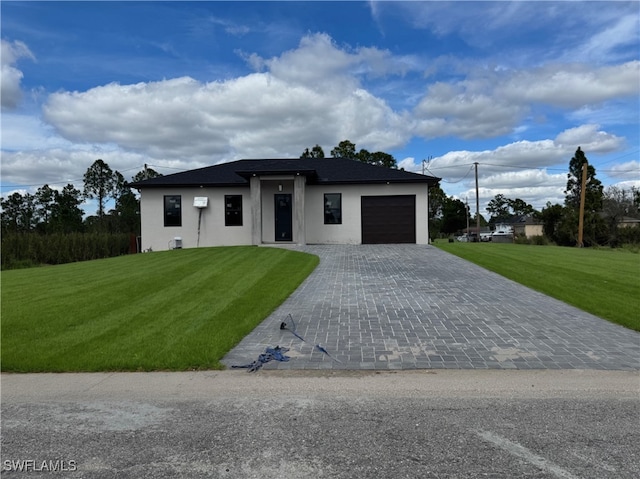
233, 210
172, 210
333, 208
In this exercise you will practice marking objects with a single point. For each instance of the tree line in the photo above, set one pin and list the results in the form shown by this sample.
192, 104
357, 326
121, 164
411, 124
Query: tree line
347, 149
50, 227
604, 210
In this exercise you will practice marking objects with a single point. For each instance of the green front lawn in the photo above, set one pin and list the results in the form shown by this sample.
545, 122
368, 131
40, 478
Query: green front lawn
173, 310
604, 282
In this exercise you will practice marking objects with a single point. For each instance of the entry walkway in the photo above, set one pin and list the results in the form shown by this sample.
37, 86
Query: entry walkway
389, 307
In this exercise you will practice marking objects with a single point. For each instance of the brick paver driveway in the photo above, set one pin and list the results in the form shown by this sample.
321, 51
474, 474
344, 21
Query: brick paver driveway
415, 306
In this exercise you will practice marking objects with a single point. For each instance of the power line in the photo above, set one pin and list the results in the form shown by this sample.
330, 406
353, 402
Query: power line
619, 157
541, 168
64, 182
169, 167
450, 166
457, 181
524, 167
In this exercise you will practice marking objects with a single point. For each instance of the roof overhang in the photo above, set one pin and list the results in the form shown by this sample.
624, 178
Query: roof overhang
309, 173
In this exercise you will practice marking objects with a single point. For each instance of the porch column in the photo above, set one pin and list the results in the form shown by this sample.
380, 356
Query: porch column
299, 184
256, 210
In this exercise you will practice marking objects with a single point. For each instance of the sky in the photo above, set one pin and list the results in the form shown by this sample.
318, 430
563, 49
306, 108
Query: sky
515, 87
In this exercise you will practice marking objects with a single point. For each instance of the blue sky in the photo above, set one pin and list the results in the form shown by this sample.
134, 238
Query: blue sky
513, 86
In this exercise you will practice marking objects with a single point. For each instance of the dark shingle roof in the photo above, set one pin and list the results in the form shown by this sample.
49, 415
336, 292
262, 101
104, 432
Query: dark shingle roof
328, 171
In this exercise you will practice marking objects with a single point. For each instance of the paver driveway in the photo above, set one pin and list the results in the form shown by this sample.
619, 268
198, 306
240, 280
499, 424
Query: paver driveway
415, 306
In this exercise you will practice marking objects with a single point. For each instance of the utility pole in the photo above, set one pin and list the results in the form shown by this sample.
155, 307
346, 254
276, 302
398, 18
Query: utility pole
477, 204
582, 199
427, 161
466, 203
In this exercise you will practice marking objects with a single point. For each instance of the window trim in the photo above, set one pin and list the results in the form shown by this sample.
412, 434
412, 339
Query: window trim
327, 211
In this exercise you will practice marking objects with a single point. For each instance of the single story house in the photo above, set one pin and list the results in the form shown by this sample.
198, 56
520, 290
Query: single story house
527, 226
280, 201
628, 222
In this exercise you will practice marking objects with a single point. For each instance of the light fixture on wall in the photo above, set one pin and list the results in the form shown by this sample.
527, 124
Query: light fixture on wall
279, 186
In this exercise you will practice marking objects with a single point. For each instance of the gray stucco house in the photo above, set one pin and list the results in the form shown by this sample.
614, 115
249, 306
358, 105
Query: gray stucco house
298, 201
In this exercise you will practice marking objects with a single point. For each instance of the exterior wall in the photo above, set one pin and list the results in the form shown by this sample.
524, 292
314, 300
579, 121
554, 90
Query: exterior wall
628, 223
213, 231
350, 231
533, 230
529, 230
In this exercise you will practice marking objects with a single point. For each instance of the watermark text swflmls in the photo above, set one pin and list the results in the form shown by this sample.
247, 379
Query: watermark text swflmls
33, 465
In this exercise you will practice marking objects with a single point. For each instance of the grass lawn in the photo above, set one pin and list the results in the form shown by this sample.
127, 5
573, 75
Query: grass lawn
172, 310
604, 282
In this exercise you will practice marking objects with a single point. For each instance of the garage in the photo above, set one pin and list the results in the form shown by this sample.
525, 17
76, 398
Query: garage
388, 219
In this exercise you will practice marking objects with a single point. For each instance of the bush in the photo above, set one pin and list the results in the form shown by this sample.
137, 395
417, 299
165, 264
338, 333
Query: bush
533, 240
539, 240
20, 250
628, 235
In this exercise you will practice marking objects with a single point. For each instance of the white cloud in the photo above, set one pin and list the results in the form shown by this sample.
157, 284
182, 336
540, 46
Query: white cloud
523, 179
10, 76
24, 132
522, 169
316, 63
627, 185
618, 32
466, 111
589, 139
58, 166
628, 171
530, 154
318, 93
488, 103
588, 33
573, 85
308, 96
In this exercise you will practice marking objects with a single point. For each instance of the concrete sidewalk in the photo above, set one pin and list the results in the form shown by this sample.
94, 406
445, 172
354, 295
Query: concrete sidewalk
81, 388
385, 307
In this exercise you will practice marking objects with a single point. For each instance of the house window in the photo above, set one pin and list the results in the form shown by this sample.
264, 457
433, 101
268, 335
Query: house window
233, 210
333, 208
172, 210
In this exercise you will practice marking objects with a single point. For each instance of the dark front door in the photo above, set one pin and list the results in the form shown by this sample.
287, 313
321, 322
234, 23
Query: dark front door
283, 217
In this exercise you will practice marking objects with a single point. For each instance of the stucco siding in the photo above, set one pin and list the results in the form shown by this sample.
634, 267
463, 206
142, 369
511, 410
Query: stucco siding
350, 231
213, 231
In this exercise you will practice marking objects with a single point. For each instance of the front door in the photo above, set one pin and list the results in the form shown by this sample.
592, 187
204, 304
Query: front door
283, 217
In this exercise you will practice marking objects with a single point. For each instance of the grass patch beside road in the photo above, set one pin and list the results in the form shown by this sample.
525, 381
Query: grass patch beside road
604, 282
172, 310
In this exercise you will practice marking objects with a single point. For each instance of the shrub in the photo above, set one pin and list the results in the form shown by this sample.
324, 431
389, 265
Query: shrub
20, 250
539, 240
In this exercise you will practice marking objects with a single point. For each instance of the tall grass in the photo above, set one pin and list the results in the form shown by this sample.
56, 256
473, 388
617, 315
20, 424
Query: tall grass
173, 310
604, 282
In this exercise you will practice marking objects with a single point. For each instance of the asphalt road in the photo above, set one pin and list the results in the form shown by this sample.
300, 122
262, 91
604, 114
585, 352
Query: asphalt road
314, 424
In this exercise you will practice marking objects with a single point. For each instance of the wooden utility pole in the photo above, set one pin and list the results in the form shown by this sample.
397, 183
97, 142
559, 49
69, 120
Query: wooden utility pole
582, 198
477, 205
466, 204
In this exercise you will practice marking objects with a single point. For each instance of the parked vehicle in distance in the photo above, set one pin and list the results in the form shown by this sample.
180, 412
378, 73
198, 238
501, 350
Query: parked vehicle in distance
473, 237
